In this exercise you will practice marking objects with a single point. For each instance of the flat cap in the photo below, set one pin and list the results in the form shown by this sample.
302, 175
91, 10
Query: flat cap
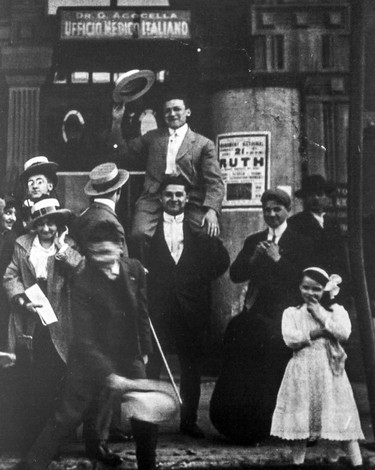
276, 195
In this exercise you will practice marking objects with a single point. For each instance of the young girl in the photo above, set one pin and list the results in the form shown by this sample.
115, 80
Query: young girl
315, 399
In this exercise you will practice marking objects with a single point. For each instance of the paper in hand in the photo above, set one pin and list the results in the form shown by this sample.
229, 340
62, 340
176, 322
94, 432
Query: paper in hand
45, 312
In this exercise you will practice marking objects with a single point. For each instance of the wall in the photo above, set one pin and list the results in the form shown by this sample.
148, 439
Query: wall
254, 109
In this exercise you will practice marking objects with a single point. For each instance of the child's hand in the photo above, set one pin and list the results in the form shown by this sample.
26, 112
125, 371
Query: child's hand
313, 307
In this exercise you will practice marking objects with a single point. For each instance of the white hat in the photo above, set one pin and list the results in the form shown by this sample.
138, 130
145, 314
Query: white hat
104, 179
133, 84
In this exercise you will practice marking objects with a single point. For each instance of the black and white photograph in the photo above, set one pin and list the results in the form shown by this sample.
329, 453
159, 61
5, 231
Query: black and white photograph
187, 234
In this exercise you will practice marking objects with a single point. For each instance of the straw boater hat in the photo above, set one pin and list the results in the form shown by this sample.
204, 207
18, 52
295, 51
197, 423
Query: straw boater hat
104, 179
40, 165
314, 184
133, 84
48, 207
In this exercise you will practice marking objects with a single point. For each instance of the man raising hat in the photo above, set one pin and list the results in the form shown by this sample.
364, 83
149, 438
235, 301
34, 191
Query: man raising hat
104, 189
174, 150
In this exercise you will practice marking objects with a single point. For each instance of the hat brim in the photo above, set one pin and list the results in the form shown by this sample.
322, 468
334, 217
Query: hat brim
132, 85
157, 403
123, 178
62, 215
49, 169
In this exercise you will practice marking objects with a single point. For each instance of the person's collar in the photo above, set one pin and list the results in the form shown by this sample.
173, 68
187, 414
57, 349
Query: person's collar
319, 217
108, 202
171, 218
181, 131
278, 231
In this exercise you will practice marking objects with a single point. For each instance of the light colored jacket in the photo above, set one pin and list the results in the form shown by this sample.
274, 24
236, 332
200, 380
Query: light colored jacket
20, 275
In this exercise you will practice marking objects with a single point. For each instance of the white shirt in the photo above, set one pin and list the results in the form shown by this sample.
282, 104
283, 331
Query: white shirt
108, 202
174, 234
319, 218
277, 232
176, 136
39, 257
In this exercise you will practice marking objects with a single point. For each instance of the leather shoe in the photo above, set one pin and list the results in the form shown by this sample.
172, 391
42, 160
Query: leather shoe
118, 436
100, 451
192, 430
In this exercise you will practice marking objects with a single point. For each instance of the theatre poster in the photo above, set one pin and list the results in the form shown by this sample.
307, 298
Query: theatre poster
244, 161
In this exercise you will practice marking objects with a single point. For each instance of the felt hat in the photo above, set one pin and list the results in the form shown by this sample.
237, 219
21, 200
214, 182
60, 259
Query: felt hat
39, 165
104, 179
314, 184
276, 195
48, 207
131, 85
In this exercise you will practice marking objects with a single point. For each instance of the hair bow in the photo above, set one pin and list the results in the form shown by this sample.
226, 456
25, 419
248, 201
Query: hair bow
332, 285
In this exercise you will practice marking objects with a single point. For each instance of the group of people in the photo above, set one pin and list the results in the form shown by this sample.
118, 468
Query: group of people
109, 291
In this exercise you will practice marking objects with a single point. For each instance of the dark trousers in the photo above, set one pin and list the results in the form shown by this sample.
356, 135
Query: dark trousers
190, 384
84, 398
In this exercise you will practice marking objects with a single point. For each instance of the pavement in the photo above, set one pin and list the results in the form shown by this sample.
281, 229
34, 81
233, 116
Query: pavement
176, 451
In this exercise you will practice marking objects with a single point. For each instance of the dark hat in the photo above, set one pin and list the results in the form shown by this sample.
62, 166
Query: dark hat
48, 207
276, 195
314, 184
104, 179
40, 165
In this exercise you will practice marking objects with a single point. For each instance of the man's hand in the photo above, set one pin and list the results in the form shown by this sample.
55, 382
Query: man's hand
269, 249
212, 222
118, 111
32, 308
118, 383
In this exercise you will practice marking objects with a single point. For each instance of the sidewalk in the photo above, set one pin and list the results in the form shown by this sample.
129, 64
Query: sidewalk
176, 451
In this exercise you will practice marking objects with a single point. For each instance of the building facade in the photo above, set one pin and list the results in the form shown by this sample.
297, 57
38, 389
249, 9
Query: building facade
268, 81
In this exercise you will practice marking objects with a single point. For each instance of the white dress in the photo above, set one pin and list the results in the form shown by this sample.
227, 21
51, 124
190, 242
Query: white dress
313, 402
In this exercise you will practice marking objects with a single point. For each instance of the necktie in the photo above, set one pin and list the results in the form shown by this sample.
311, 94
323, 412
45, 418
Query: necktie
274, 237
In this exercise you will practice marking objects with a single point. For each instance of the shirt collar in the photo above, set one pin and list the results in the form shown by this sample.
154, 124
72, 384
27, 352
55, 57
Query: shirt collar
171, 218
108, 202
278, 231
181, 131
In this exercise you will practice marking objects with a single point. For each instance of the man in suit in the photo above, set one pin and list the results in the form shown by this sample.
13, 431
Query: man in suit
255, 356
314, 222
104, 189
174, 150
182, 264
110, 347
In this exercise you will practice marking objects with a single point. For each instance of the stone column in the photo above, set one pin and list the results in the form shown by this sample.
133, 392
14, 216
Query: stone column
25, 70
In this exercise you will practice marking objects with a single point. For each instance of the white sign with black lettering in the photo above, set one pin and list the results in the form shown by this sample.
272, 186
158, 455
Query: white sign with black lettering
244, 161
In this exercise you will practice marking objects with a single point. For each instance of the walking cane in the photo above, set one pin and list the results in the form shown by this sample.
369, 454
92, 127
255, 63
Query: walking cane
165, 362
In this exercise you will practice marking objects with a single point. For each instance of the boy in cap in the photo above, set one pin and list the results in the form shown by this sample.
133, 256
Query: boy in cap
317, 224
38, 179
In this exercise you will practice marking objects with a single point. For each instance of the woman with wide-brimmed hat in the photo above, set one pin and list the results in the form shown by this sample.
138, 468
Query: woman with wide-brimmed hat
47, 257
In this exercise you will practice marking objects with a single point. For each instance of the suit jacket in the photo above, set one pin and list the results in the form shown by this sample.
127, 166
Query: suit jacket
111, 327
85, 224
277, 283
196, 160
328, 243
20, 275
181, 290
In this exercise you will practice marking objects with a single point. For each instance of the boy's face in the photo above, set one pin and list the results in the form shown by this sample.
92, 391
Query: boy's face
38, 185
175, 113
274, 213
173, 199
